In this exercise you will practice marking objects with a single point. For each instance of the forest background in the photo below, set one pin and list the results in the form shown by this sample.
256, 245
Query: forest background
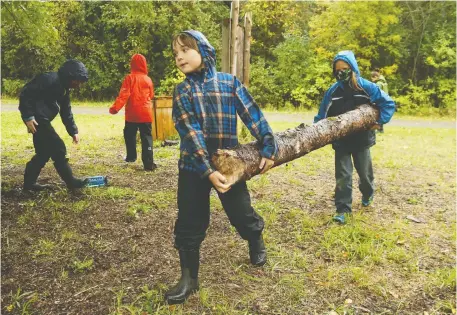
293, 44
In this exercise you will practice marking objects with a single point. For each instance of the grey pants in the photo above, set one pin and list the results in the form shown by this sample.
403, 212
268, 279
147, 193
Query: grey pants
343, 176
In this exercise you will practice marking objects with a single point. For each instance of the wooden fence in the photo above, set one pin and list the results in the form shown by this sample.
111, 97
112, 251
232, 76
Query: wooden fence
163, 127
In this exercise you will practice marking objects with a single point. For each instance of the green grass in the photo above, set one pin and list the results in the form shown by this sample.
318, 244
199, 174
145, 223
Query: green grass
381, 260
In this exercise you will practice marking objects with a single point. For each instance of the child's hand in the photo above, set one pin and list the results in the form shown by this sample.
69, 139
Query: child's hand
218, 180
266, 164
31, 125
112, 111
76, 139
376, 127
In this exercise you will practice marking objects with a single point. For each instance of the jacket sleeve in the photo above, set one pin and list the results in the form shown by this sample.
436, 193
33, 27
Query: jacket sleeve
28, 97
323, 107
252, 117
191, 133
383, 101
66, 114
124, 94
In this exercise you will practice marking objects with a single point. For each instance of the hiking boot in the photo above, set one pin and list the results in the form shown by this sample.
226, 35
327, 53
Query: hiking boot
367, 202
257, 252
341, 218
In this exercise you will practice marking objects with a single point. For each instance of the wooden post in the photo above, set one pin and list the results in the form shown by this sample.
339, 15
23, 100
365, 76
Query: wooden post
234, 15
239, 53
154, 124
247, 48
225, 66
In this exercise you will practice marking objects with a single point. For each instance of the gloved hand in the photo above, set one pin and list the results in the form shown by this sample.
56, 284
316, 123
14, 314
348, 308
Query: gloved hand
112, 111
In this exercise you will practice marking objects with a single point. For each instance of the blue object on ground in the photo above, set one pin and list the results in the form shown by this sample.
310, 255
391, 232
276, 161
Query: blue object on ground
97, 181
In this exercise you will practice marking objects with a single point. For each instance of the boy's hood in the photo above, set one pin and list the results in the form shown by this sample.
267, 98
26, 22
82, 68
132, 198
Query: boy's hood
207, 52
348, 57
73, 70
139, 64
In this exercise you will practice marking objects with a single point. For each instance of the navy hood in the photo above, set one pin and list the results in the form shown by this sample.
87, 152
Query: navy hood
73, 70
207, 52
348, 57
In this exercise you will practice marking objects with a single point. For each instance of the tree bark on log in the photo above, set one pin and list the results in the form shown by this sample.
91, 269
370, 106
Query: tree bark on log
242, 162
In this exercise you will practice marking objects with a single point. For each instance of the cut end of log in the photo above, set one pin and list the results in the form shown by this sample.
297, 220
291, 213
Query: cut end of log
229, 164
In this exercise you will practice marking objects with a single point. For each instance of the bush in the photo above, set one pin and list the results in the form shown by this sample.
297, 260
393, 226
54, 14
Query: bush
12, 87
427, 99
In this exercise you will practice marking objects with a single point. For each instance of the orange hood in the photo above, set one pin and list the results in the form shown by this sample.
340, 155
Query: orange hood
138, 64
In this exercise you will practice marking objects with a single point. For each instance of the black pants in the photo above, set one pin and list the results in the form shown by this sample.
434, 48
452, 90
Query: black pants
130, 131
194, 206
47, 145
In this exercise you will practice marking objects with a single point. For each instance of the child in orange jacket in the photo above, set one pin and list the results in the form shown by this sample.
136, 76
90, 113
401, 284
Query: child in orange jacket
137, 91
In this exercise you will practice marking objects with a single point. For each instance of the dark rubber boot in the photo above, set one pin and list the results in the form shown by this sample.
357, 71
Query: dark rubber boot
65, 172
257, 252
188, 284
30, 177
151, 167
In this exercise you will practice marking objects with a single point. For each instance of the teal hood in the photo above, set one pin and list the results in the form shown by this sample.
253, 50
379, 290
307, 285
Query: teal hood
348, 57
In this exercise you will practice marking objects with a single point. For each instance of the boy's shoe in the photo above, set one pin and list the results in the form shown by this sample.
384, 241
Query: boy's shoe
129, 160
150, 168
36, 187
78, 183
368, 202
257, 252
341, 218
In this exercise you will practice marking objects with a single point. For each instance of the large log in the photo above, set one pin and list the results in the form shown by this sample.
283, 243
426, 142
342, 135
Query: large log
242, 162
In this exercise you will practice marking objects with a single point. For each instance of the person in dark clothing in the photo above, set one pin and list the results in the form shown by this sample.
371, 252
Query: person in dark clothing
137, 92
39, 103
205, 109
349, 92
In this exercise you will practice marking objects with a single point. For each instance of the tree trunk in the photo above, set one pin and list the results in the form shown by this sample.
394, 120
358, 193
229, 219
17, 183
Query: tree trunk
242, 162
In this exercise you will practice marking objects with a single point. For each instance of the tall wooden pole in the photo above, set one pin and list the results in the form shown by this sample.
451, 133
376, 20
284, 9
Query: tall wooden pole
225, 66
247, 48
235, 12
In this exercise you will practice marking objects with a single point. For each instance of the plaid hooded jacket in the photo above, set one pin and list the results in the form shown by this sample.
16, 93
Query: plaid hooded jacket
205, 106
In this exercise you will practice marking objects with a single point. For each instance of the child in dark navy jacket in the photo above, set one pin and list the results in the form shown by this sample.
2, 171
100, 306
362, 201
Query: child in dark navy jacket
205, 107
346, 94
41, 99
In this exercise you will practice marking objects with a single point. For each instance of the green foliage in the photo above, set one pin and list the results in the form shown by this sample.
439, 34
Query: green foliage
12, 87
263, 86
292, 47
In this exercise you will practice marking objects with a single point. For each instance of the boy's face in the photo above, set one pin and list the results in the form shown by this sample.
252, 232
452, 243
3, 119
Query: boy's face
374, 76
187, 60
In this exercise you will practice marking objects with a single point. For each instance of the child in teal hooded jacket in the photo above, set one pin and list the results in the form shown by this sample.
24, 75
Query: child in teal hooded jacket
349, 92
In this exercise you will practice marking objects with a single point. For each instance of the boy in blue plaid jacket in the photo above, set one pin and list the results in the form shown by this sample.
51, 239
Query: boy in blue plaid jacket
205, 106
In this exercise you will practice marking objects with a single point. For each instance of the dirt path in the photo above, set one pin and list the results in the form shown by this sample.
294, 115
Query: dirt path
275, 116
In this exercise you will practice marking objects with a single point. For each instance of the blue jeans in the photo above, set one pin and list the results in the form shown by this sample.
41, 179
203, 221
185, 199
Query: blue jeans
343, 176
